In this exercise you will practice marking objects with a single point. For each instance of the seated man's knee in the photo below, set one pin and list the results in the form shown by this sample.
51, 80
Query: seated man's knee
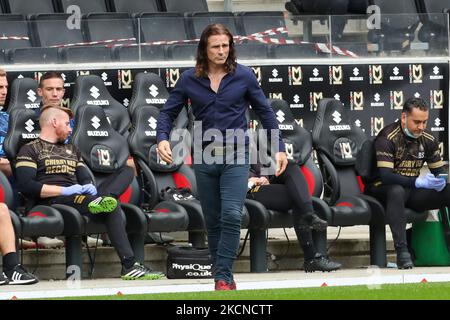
4, 211
396, 192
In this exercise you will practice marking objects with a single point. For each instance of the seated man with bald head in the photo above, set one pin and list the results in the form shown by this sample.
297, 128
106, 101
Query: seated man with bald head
51, 171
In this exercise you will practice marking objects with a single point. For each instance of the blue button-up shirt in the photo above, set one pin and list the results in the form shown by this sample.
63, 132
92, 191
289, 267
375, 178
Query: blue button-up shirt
222, 110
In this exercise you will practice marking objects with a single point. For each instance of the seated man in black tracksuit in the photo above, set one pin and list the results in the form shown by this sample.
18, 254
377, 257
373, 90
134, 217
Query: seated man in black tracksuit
402, 148
50, 171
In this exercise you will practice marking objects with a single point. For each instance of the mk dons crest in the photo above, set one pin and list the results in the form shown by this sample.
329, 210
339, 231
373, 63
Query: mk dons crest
314, 98
416, 73
125, 79
346, 150
172, 76
336, 74
276, 95
258, 74
299, 122
357, 100
376, 124
289, 151
376, 74
65, 103
295, 76
397, 100
437, 99
83, 73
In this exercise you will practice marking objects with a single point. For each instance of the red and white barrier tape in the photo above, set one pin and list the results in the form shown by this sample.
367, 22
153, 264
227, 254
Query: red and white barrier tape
13, 38
262, 37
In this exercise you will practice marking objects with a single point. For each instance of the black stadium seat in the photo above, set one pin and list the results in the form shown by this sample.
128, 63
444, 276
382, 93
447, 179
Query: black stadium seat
85, 54
299, 151
197, 21
52, 30
184, 5
110, 26
435, 16
33, 56
14, 25
155, 177
148, 89
161, 26
182, 51
139, 53
134, 6
90, 90
92, 119
250, 22
399, 20
23, 95
293, 51
35, 220
253, 50
85, 6
338, 142
26, 7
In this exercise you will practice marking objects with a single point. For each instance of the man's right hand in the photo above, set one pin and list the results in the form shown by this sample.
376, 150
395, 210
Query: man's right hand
429, 181
75, 189
164, 151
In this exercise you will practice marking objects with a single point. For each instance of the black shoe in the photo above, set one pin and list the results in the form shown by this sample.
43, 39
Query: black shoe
3, 279
19, 275
140, 272
404, 260
158, 238
321, 263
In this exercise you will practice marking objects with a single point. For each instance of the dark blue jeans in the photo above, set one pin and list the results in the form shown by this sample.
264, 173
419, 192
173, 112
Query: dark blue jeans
222, 189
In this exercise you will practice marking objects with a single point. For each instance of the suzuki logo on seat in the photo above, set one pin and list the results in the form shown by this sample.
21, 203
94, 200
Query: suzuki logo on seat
337, 117
153, 90
94, 92
31, 95
152, 122
95, 122
280, 116
29, 125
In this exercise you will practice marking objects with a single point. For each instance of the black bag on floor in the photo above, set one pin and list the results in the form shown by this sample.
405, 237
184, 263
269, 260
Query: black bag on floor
188, 263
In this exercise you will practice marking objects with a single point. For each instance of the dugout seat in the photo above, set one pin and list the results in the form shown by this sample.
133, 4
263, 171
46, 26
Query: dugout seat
23, 94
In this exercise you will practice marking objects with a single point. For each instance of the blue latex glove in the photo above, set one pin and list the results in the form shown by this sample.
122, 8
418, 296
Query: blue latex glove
430, 182
89, 189
75, 189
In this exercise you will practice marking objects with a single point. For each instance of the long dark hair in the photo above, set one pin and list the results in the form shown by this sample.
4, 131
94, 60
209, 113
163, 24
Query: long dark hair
201, 67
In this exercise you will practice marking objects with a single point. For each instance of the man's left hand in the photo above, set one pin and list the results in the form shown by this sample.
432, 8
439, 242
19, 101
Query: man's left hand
282, 162
89, 189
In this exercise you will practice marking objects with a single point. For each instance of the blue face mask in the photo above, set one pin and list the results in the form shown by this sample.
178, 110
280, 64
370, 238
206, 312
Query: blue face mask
406, 130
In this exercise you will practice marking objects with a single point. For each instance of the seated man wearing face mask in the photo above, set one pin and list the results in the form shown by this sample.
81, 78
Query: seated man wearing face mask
402, 148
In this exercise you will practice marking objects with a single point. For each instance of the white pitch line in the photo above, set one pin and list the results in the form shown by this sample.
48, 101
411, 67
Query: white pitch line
242, 285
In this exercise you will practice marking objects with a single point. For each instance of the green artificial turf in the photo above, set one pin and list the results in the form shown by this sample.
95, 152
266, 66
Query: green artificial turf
421, 291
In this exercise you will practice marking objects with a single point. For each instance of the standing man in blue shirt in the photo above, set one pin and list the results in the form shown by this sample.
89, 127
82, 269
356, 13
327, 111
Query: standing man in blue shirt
220, 91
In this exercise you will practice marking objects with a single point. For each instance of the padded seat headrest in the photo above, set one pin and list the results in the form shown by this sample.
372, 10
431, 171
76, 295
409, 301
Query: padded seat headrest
90, 90
335, 134
102, 148
296, 139
142, 140
24, 94
148, 89
23, 128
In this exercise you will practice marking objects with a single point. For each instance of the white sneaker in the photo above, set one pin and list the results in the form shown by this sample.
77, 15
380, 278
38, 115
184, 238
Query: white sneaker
92, 242
49, 243
27, 244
